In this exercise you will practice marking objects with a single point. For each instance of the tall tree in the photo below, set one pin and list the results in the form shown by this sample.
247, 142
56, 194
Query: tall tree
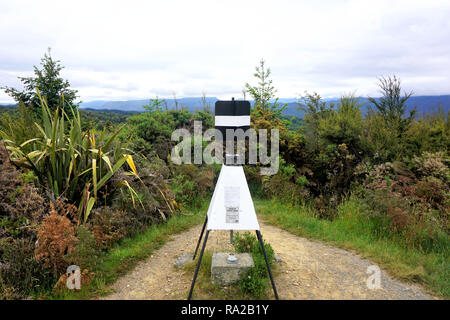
51, 87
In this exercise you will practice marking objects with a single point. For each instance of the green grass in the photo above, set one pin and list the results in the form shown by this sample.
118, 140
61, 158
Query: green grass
351, 230
128, 252
206, 290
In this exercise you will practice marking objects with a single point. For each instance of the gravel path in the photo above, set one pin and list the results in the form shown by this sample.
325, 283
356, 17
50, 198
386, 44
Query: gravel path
309, 270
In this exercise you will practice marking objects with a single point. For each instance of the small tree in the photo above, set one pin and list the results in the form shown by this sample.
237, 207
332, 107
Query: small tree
155, 105
206, 106
51, 86
264, 91
387, 125
392, 106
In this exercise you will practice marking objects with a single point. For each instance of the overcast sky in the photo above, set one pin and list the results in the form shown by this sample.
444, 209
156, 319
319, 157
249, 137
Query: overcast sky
142, 49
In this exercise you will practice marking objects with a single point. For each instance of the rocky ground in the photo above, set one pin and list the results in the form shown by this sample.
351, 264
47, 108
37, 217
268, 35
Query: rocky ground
309, 270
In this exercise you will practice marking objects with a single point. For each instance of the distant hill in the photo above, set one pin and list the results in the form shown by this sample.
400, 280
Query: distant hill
8, 105
423, 104
190, 104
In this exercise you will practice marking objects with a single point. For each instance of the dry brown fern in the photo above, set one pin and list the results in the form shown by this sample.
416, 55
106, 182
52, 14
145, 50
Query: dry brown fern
56, 239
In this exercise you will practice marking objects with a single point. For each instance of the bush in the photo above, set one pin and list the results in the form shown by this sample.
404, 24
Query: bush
430, 164
86, 253
429, 133
254, 180
190, 183
21, 209
287, 184
150, 132
21, 205
343, 125
429, 192
20, 273
110, 225
404, 205
55, 240
333, 174
340, 173
156, 198
19, 127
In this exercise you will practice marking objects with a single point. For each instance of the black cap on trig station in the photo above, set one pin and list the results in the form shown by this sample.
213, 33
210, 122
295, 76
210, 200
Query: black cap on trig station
234, 114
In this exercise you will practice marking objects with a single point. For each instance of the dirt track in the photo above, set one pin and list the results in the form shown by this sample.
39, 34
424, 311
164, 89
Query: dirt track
309, 270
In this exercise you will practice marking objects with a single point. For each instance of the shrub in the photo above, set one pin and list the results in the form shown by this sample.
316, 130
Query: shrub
333, 173
110, 225
398, 207
390, 122
158, 198
150, 132
431, 132
66, 209
21, 205
380, 142
343, 125
430, 164
254, 180
431, 193
153, 192
20, 273
325, 207
19, 127
340, 165
55, 240
286, 184
86, 253
190, 182
21, 209
428, 192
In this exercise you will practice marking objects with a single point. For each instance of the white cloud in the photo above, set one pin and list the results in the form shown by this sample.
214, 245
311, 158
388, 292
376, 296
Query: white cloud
138, 49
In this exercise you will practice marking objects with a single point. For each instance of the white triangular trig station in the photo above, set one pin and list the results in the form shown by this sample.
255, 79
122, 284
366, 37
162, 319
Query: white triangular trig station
231, 206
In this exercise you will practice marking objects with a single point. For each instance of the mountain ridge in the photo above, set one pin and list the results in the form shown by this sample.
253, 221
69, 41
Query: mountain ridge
423, 104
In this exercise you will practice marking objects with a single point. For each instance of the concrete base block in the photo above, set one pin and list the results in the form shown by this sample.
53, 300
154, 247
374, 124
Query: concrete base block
224, 273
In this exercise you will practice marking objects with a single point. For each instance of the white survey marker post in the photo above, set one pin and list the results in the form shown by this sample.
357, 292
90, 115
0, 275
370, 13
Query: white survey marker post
231, 206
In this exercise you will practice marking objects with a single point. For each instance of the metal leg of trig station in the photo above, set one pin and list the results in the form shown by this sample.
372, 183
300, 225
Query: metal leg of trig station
258, 234
198, 265
200, 239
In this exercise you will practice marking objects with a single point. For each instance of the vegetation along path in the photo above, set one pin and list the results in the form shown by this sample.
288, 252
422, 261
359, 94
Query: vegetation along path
309, 270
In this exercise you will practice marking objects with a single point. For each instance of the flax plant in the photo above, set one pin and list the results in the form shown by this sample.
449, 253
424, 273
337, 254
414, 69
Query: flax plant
72, 163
